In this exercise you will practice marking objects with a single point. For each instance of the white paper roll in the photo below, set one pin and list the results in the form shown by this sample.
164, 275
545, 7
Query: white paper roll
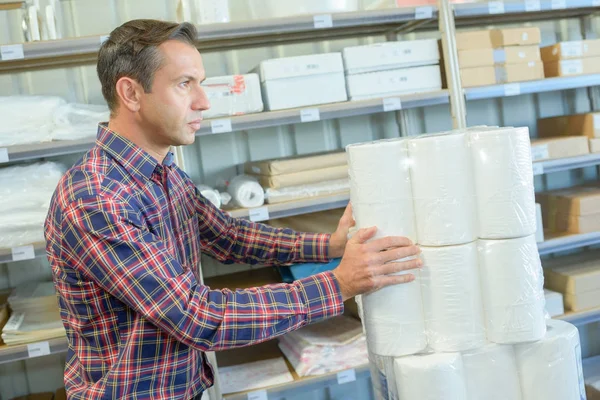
210, 194
443, 190
491, 373
438, 376
380, 189
246, 191
551, 368
452, 301
503, 182
512, 289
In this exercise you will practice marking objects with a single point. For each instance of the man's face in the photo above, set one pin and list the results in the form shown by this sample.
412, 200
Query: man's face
172, 111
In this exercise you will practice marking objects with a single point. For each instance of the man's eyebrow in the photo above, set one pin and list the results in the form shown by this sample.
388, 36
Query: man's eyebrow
186, 77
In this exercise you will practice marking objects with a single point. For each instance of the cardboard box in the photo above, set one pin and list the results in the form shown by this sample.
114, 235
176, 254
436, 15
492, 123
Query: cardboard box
581, 200
595, 145
390, 55
476, 58
303, 81
517, 54
394, 82
479, 76
571, 49
592, 391
570, 125
519, 72
574, 223
304, 177
553, 148
579, 66
61, 394
554, 303
278, 166
515, 37
473, 40
233, 95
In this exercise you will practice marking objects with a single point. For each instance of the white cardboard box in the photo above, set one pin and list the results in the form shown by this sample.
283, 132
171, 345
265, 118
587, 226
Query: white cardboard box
390, 55
302, 81
233, 95
554, 303
394, 82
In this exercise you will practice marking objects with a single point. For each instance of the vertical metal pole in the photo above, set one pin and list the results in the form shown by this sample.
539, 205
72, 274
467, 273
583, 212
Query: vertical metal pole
457, 99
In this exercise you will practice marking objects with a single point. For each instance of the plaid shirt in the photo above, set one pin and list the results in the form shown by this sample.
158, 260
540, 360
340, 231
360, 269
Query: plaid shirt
124, 235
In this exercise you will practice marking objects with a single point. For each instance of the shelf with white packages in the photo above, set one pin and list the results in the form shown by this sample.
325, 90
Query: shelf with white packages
304, 385
325, 112
32, 350
530, 87
45, 149
568, 242
232, 35
22, 253
581, 318
564, 164
515, 10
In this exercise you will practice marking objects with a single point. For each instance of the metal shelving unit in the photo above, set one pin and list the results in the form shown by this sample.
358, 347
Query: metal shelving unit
570, 242
22, 253
25, 351
582, 317
564, 164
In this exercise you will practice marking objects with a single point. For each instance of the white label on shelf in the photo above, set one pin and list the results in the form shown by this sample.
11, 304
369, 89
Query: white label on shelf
38, 349
571, 67
103, 39
11, 52
259, 214
23, 253
310, 115
532, 5
323, 21
258, 395
538, 169
558, 4
539, 152
496, 7
392, 104
512, 89
424, 12
3, 155
346, 376
572, 49
221, 125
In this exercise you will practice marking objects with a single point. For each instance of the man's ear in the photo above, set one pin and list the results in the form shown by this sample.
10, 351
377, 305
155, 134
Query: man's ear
129, 92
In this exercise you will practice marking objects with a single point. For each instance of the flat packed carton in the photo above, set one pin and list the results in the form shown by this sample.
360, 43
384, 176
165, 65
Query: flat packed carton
478, 76
476, 58
595, 145
570, 125
517, 54
515, 37
571, 49
473, 40
519, 72
579, 66
560, 147
298, 163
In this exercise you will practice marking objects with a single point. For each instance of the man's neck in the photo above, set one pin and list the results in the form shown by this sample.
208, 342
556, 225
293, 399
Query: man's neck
135, 134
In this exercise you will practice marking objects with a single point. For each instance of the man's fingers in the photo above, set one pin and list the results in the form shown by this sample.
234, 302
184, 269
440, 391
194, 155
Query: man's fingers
390, 280
389, 242
364, 234
398, 253
394, 267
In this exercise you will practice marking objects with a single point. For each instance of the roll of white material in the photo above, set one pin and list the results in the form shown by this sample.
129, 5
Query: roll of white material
551, 368
246, 191
210, 194
434, 376
452, 301
503, 182
443, 190
512, 290
491, 373
380, 189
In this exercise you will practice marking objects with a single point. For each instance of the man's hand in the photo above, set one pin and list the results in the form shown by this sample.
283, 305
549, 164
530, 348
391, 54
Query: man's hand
337, 243
367, 267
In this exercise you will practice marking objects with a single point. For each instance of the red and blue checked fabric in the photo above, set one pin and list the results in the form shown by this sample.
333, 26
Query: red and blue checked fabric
124, 235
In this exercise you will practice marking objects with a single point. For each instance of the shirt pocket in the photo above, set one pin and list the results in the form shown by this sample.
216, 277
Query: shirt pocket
187, 243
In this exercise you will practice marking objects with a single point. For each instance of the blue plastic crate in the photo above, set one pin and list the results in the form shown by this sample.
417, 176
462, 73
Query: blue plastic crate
294, 272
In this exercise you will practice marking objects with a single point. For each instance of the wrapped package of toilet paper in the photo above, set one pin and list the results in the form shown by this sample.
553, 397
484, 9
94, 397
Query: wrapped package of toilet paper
512, 284
233, 95
27, 119
214, 196
246, 192
432, 376
383, 377
442, 186
551, 369
452, 301
503, 182
78, 121
491, 373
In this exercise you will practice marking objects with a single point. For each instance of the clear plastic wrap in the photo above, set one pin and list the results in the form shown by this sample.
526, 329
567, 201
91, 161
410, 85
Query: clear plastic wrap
551, 368
233, 95
217, 198
27, 119
327, 188
78, 121
383, 377
246, 192
329, 346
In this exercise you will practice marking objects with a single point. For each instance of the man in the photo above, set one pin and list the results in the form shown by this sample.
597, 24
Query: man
126, 227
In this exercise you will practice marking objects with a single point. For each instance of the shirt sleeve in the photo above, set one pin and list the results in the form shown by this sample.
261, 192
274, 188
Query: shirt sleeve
107, 241
237, 240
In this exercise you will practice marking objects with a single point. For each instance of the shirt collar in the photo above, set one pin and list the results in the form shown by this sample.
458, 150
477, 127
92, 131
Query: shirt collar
135, 160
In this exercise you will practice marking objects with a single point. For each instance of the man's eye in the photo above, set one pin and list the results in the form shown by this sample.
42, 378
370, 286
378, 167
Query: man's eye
184, 84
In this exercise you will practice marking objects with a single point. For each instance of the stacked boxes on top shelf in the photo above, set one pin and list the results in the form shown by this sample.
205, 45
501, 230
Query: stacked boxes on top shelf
572, 58
496, 56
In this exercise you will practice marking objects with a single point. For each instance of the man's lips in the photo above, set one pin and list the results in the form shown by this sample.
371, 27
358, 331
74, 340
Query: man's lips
195, 124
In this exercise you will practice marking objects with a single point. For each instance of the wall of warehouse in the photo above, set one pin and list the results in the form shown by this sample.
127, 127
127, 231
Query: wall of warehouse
216, 157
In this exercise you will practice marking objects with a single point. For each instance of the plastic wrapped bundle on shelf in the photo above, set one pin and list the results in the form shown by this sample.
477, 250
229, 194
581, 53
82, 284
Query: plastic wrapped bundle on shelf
78, 121
233, 95
217, 198
27, 119
329, 346
246, 192
383, 377
278, 9
299, 192
551, 368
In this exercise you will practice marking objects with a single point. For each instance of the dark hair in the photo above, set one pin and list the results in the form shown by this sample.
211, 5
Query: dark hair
132, 50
